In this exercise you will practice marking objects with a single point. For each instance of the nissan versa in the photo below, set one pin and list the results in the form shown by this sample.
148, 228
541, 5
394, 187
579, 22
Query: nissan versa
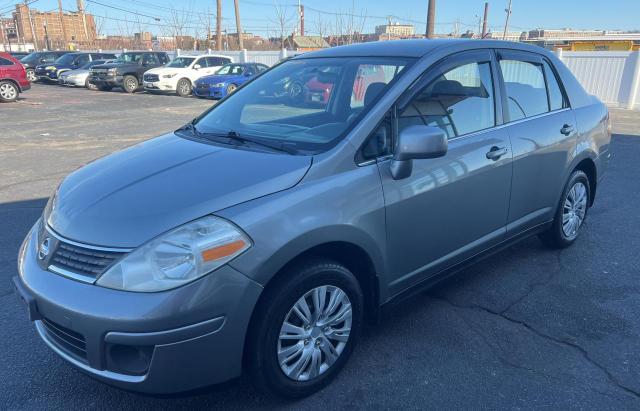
263, 234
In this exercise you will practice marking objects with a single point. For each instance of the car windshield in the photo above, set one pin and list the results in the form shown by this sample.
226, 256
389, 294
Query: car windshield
66, 59
29, 57
181, 62
129, 58
307, 104
232, 69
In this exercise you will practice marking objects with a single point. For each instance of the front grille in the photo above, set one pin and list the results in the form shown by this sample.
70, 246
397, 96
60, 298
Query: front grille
66, 339
81, 260
151, 77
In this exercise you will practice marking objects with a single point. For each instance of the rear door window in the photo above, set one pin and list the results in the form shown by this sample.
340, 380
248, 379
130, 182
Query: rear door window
556, 97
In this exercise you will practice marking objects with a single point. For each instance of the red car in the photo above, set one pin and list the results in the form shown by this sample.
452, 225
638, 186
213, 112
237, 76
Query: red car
13, 78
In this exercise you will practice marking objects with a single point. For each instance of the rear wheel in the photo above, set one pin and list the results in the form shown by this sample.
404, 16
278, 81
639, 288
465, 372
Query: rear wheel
130, 84
8, 91
305, 329
31, 75
183, 88
571, 212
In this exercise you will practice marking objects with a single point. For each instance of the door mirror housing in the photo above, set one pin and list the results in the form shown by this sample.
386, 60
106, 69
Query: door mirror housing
417, 142
197, 66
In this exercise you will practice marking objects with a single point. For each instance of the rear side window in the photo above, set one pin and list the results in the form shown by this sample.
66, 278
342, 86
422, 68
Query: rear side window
526, 89
5, 62
556, 98
218, 61
459, 101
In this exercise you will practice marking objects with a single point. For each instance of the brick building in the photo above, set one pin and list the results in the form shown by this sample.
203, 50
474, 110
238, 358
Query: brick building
79, 28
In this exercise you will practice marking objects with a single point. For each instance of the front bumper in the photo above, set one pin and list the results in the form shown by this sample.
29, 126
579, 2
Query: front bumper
71, 81
159, 86
112, 81
209, 91
163, 342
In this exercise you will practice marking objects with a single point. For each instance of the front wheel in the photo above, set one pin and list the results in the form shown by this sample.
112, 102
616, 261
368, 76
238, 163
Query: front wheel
31, 75
130, 84
8, 91
571, 212
183, 88
305, 329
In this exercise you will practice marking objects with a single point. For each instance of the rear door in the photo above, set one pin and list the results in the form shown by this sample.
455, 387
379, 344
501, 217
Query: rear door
451, 207
542, 130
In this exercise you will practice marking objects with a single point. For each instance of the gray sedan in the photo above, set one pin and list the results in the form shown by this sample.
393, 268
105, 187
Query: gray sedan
262, 235
79, 77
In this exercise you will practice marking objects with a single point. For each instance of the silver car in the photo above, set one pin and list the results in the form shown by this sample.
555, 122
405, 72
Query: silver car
79, 77
262, 235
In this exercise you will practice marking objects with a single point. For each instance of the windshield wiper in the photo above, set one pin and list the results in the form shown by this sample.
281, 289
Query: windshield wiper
235, 136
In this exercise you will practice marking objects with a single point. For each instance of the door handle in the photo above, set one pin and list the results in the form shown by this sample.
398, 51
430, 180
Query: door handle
496, 152
566, 129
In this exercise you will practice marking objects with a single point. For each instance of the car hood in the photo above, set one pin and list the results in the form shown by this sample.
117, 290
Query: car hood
165, 70
74, 72
129, 197
112, 65
213, 79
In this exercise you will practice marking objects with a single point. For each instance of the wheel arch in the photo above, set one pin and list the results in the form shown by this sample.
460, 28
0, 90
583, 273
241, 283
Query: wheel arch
12, 81
586, 163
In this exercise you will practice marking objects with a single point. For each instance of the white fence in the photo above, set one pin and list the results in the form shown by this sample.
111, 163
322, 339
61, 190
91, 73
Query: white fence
614, 77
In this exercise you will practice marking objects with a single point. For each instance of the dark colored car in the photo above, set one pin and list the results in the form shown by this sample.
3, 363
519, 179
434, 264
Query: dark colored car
19, 54
127, 70
260, 236
227, 79
71, 61
39, 57
13, 78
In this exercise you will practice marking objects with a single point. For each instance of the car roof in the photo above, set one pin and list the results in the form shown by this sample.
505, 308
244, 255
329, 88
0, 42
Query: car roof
412, 48
202, 55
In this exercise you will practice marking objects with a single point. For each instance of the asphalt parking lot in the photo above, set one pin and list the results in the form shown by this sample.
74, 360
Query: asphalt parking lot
528, 328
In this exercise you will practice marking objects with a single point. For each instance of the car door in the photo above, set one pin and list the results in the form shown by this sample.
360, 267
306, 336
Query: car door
149, 61
452, 207
541, 127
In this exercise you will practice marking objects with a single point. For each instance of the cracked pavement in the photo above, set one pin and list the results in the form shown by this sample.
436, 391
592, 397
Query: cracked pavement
527, 328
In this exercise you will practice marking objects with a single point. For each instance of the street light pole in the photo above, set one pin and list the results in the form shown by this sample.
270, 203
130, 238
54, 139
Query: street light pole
506, 22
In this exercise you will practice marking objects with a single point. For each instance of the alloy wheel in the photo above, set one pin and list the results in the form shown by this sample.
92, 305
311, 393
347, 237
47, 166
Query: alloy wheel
314, 333
8, 91
31, 75
574, 210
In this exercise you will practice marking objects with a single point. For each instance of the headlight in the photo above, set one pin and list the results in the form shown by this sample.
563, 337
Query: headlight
112, 71
169, 75
220, 85
50, 68
177, 257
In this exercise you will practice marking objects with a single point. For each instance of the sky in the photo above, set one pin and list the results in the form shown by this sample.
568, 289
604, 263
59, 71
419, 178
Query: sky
260, 16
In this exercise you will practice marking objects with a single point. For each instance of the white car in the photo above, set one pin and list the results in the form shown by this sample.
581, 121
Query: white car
178, 76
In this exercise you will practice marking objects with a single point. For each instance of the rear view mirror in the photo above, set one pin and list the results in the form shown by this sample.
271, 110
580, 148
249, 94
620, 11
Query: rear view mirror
197, 66
417, 142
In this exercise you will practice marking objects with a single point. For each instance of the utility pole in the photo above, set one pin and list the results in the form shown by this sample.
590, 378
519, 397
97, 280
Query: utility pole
84, 19
219, 25
484, 20
431, 17
64, 27
33, 29
506, 21
302, 20
238, 26
46, 36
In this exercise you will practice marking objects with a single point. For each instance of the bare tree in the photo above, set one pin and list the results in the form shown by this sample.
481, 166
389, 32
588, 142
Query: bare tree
283, 19
322, 27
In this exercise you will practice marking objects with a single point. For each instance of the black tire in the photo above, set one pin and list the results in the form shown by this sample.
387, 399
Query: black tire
183, 88
261, 357
555, 236
31, 75
130, 83
231, 88
8, 91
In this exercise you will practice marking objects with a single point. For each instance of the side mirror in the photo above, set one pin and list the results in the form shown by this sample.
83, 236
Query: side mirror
197, 66
417, 142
